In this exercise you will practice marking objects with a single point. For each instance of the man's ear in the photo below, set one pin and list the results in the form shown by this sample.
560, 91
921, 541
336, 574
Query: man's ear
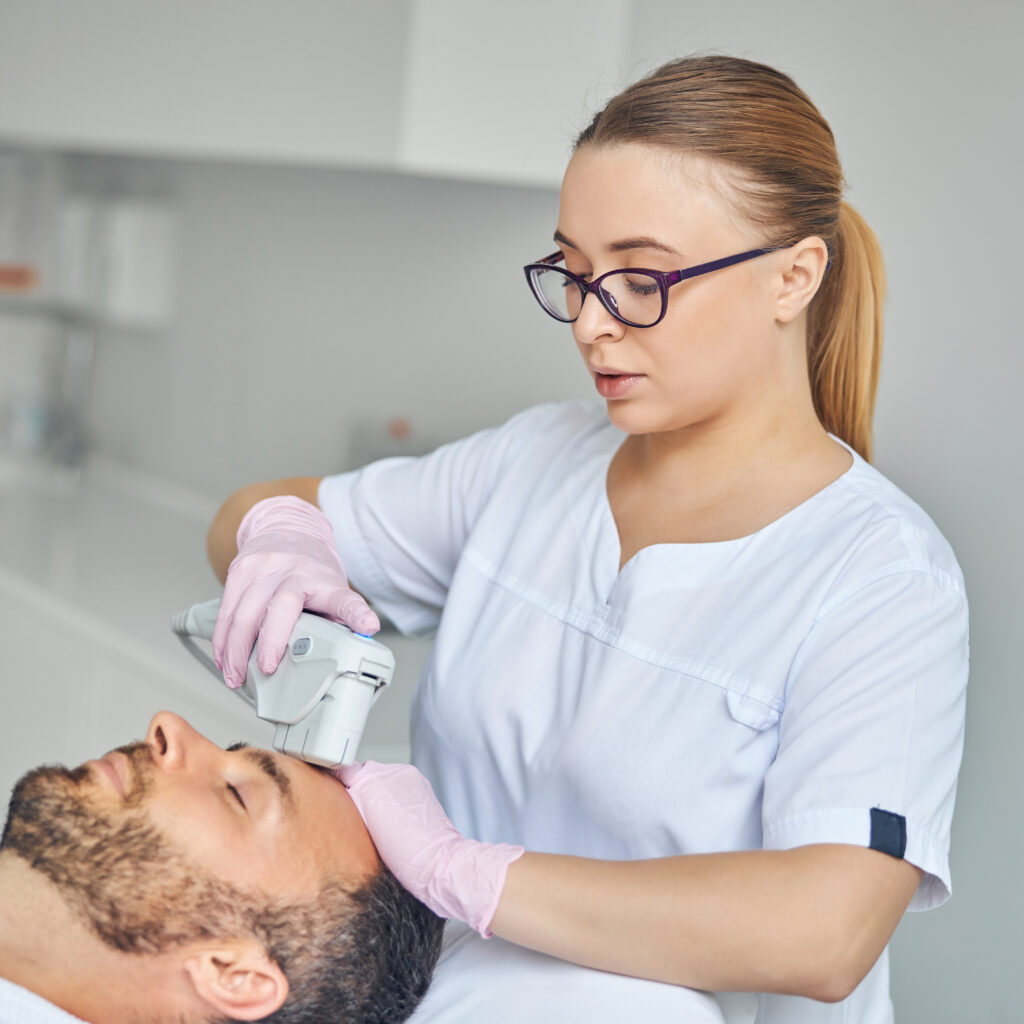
238, 980
804, 267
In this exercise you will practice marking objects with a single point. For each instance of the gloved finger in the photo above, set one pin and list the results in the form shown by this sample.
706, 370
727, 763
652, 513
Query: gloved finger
399, 785
241, 578
346, 606
234, 589
372, 772
348, 773
243, 630
279, 620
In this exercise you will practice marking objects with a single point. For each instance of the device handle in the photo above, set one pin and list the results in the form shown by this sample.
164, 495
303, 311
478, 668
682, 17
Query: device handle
199, 621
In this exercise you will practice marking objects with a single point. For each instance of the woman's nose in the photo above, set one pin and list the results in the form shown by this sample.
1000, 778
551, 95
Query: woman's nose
595, 323
171, 739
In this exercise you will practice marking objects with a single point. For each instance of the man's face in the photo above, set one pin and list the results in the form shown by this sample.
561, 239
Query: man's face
155, 842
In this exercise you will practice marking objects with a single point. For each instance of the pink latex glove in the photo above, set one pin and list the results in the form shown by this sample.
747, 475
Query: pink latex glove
286, 561
454, 876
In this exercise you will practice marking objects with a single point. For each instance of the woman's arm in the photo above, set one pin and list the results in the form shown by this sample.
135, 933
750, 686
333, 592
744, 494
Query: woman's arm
810, 921
221, 546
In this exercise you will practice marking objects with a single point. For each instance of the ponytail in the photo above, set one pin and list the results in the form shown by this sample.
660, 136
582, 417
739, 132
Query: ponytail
844, 333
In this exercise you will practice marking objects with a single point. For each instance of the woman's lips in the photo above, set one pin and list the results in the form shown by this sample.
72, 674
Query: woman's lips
615, 385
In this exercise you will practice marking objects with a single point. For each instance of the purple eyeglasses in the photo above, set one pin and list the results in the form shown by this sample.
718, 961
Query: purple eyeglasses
635, 297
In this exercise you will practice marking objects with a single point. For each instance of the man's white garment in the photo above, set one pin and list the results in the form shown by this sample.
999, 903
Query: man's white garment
19, 1006
804, 684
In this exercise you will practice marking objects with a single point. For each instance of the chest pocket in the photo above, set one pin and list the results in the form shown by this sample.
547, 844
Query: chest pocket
752, 711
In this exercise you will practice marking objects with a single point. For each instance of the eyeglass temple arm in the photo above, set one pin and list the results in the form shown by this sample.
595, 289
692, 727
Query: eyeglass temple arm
706, 268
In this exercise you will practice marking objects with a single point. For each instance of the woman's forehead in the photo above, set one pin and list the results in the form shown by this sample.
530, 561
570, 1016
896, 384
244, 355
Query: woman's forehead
610, 193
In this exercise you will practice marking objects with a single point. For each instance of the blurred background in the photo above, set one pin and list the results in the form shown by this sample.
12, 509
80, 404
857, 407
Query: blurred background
241, 239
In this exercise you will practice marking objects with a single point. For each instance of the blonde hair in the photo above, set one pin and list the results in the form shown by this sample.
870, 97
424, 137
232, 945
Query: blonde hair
757, 121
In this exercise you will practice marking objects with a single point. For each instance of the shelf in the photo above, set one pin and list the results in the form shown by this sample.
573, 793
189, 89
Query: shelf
20, 304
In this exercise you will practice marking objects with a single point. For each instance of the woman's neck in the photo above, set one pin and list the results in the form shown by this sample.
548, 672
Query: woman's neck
727, 448
717, 482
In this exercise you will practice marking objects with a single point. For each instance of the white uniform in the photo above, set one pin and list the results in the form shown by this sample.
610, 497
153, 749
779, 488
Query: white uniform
19, 1006
801, 685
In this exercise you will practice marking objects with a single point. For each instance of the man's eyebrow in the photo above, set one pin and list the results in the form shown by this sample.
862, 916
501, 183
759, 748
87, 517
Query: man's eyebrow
266, 763
626, 244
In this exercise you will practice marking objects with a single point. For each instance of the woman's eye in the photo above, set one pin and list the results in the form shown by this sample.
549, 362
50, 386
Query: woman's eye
642, 285
238, 796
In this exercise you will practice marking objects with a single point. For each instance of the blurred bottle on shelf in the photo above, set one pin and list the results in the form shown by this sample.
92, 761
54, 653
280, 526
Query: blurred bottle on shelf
372, 438
32, 353
29, 185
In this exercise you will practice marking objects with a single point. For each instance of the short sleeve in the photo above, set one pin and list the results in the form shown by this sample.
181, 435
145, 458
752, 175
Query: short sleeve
401, 523
872, 731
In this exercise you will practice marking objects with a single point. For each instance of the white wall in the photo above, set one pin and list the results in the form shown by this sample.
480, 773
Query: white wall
312, 299
290, 327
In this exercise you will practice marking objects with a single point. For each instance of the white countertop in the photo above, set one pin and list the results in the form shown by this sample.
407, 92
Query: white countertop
106, 548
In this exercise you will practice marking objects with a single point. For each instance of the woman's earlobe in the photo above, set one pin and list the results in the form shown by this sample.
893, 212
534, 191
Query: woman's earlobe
237, 981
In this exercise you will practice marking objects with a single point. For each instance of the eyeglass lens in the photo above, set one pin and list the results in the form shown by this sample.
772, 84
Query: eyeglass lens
629, 295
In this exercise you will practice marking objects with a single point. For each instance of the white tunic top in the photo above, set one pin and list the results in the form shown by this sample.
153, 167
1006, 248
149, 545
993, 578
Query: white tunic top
804, 684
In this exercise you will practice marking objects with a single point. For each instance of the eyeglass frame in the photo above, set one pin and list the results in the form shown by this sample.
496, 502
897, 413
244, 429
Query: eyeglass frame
664, 279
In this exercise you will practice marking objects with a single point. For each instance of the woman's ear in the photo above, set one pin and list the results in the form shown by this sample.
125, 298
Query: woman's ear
237, 980
802, 270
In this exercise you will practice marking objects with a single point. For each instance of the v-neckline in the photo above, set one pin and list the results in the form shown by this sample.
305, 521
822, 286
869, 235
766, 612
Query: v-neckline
611, 527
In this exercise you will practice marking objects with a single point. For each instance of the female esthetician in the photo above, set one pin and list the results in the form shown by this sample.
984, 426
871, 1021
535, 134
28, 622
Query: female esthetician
693, 653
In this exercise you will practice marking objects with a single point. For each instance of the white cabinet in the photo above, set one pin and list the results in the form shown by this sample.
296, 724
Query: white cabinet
311, 81
491, 91
498, 91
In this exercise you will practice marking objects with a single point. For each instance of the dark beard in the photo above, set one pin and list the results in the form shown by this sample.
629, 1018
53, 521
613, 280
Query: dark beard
125, 880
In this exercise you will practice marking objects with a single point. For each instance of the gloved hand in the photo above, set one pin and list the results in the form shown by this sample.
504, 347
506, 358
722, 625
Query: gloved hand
286, 561
454, 876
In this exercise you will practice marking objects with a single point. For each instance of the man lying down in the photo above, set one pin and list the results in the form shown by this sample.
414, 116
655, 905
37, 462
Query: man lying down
172, 880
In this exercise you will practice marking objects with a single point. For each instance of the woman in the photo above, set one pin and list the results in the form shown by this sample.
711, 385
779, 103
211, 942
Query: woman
694, 655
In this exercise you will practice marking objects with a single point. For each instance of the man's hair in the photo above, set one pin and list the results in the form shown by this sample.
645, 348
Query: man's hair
362, 956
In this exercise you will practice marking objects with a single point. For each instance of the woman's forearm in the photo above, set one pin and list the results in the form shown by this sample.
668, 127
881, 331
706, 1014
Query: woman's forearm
809, 921
221, 545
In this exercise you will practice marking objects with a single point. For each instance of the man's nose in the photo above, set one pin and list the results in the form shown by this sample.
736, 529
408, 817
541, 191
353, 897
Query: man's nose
172, 741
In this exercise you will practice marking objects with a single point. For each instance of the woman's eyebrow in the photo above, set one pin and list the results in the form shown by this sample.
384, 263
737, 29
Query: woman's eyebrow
641, 242
626, 244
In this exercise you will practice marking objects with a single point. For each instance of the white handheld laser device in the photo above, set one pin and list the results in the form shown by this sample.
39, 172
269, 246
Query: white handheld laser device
321, 694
